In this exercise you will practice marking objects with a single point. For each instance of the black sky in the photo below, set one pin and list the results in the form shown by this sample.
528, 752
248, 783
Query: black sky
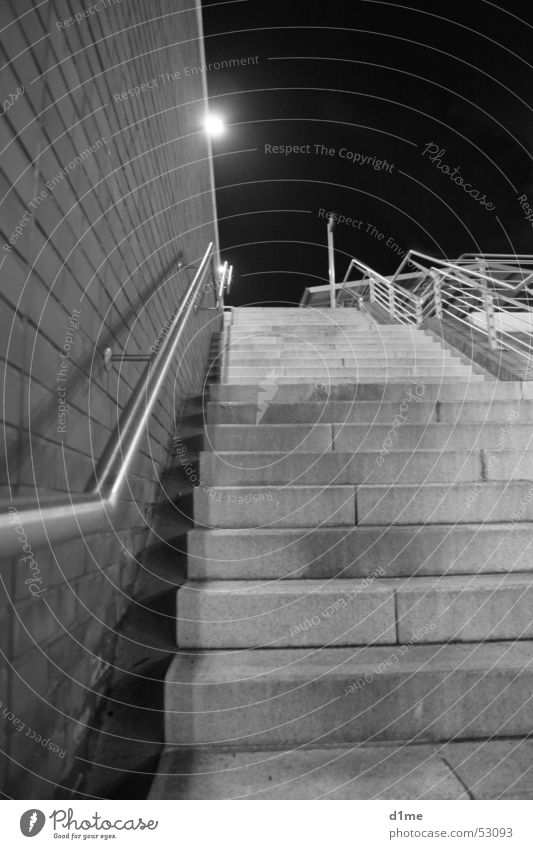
379, 80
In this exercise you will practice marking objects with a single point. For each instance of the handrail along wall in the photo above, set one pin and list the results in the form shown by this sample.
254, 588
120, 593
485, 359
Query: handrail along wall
64, 517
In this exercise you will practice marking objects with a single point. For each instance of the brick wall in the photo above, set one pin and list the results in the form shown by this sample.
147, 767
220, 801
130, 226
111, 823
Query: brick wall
109, 189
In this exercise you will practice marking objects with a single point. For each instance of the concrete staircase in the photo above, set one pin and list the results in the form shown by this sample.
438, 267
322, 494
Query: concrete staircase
359, 593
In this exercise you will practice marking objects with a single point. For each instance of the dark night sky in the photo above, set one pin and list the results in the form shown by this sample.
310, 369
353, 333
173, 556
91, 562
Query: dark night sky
379, 80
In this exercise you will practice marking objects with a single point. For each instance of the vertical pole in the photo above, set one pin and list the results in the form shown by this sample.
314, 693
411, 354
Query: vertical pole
418, 312
391, 299
331, 262
489, 311
437, 294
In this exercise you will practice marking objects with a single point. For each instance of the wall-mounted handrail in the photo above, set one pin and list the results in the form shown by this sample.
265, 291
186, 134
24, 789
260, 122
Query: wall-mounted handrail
62, 517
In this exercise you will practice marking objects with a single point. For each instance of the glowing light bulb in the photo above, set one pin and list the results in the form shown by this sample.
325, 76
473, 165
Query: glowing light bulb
214, 126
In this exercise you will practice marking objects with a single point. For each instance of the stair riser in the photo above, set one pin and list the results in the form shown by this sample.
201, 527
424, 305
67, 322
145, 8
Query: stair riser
263, 438
371, 373
291, 326
373, 611
406, 504
340, 705
328, 326
339, 316
325, 326
328, 380
365, 412
349, 614
277, 344
481, 502
258, 507
463, 437
364, 437
378, 392
362, 412
340, 361
359, 552
314, 342
364, 354
314, 337
335, 468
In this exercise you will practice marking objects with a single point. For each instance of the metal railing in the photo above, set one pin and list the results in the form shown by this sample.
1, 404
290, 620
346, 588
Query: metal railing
62, 517
490, 293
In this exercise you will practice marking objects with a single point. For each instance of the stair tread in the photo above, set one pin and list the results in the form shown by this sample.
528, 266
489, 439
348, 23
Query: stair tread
306, 664
381, 582
249, 674
355, 772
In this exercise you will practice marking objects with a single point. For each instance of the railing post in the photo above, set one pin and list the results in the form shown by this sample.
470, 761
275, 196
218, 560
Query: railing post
391, 300
418, 312
437, 293
489, 312
331, 262
372, 295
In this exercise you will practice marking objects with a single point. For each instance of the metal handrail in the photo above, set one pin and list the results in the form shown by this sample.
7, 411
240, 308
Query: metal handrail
62, 517
453, 264
469, 284
470, 279
472, 273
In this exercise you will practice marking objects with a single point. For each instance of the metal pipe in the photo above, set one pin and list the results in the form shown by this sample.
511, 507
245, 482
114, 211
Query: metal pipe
64, 517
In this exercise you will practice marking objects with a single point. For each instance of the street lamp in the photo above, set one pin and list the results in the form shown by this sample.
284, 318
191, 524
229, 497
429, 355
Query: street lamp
214, 125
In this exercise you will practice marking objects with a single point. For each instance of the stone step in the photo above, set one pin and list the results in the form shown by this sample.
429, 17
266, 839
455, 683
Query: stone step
328, 380
303, 506
328, 362
310, 321
311, 468
364, 437
323, 312
315, 336
295, 351
285, 341
226, 468
318, 437
245, 614
414, 408
351, 318
459, 437
348, 612
320, 329
409, 504
363, 772
264, 313
295, 393
280, 697
335, 317
277, 554
254, 507
373, 372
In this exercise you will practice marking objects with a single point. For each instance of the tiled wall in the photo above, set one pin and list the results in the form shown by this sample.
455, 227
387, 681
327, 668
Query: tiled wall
104, 170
